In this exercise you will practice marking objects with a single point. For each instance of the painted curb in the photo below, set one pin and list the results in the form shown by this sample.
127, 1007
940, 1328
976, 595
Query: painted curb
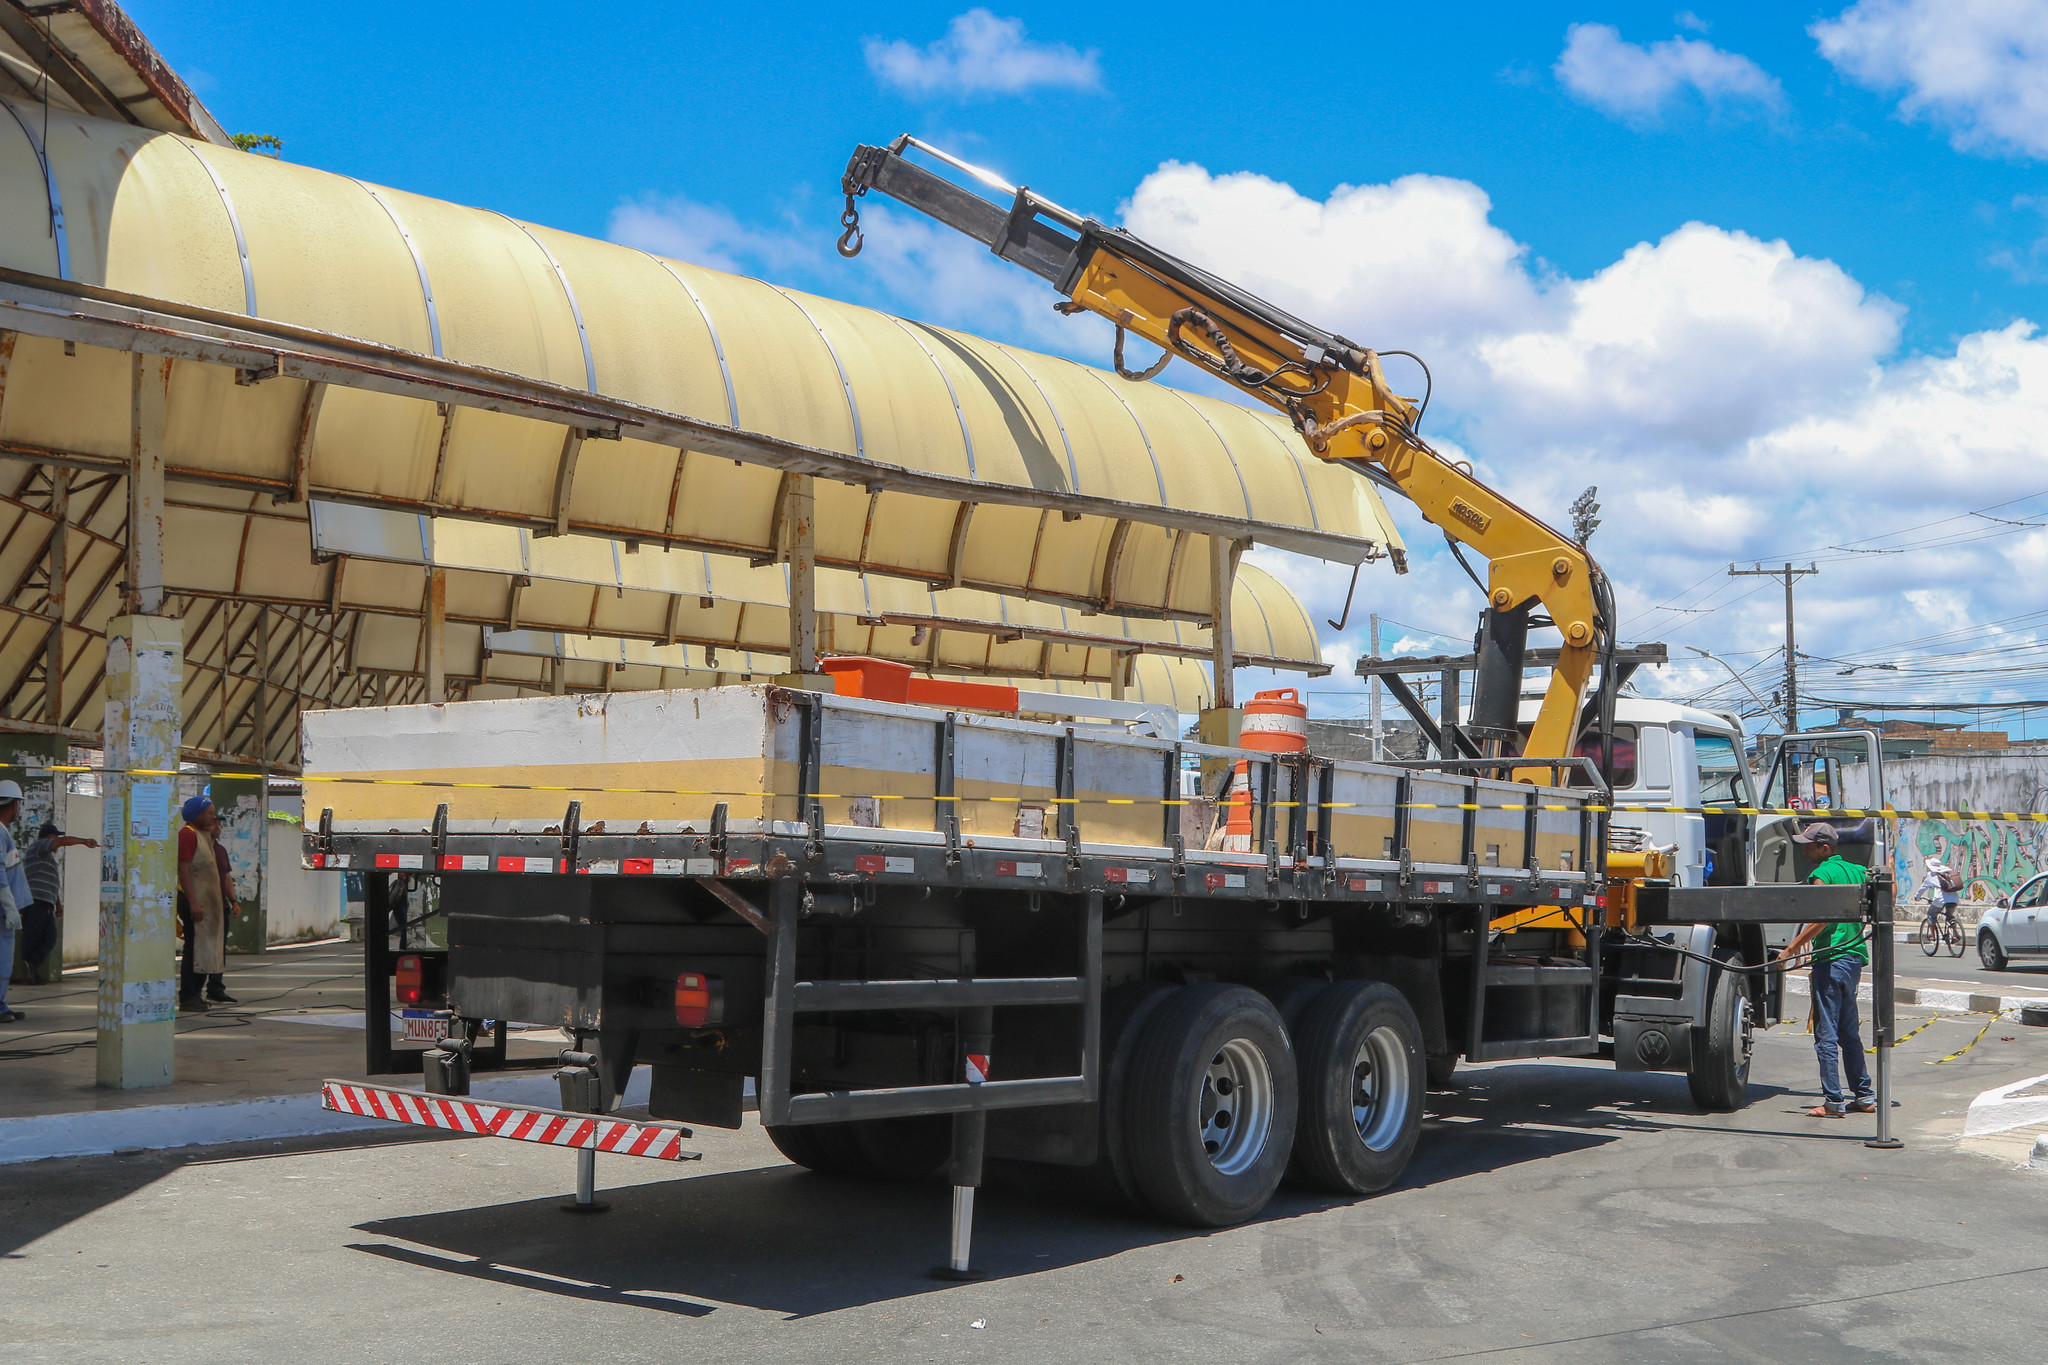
157, 1127
1998, 1110
1961, 1002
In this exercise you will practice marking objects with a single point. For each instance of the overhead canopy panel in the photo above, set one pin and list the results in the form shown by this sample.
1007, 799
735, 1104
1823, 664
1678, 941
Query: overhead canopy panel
637, 666
408, 353
624, 590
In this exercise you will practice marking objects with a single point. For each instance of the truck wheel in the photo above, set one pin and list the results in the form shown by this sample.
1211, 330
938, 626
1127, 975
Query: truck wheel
1291, 995
1359, 1051
1719, 1074
1124, 1011
1210, 1105
1442, 1071
827, 1148
907, 1148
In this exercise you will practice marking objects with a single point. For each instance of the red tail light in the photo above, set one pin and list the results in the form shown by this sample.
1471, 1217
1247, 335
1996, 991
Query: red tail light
410, 978
700, 1000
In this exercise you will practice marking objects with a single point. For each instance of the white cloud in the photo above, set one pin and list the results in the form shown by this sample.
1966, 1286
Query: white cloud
1637, 82
1978, 68
981, 54
1660, 342
1416, 260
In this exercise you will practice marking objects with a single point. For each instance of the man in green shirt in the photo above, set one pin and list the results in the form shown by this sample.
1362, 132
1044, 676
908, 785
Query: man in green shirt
1839, 953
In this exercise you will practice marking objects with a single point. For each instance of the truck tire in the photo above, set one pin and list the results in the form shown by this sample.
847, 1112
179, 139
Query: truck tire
1210, 1105
1124, 1011
1291, 995
1441, 1070
827, 1148
1359, 1054
1719, 1074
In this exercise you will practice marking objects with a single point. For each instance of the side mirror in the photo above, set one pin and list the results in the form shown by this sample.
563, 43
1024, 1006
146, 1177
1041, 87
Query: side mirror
2005, 902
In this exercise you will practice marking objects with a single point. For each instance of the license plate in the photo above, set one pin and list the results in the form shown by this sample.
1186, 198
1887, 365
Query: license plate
424, 1026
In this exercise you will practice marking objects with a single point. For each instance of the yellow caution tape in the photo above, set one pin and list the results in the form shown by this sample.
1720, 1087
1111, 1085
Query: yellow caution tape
1967, 1046
1617, 808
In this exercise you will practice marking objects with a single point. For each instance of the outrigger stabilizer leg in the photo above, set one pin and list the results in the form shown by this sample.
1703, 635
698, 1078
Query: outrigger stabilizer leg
970, 1134
582, 1093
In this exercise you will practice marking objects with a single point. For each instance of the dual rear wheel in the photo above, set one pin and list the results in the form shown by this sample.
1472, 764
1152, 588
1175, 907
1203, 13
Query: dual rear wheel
1223, 1096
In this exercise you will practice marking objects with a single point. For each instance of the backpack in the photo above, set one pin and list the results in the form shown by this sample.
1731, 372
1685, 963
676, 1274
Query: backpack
1951, 880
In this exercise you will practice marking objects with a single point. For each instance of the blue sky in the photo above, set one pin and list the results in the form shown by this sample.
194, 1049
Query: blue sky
1523, 176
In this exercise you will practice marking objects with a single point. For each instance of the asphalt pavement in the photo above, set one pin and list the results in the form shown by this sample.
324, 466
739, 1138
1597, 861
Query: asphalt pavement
1554, 1211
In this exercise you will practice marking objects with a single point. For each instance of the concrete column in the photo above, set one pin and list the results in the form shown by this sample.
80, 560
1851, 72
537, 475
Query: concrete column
800, 518
138, 988
437, 635
243, 809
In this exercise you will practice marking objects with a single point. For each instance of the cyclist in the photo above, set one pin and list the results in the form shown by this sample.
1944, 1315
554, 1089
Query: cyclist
1941, 897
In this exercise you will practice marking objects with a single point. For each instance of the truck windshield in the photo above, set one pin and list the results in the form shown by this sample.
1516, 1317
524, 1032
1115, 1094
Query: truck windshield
1720, 770
1589, 747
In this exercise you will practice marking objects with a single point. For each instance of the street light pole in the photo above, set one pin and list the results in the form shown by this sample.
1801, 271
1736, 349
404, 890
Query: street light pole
1733, 674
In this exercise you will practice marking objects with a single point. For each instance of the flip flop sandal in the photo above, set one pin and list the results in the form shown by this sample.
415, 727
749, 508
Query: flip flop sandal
1821, 1111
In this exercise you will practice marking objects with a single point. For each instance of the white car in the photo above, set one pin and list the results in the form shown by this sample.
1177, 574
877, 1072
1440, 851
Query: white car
2017, 926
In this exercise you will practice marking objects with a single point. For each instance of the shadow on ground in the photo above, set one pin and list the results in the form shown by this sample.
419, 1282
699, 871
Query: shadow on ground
788, 1241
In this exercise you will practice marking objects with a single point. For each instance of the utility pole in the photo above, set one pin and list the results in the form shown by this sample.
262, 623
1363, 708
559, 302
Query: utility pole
1789, 574
1372, 691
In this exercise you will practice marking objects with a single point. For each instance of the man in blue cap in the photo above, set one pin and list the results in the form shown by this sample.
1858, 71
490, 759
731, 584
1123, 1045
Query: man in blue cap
206, 897
1838, 957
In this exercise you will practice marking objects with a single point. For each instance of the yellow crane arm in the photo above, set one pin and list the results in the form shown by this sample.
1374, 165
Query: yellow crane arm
1334, 391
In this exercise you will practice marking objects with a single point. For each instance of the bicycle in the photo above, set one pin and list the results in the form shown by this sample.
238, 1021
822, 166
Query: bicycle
1941, 929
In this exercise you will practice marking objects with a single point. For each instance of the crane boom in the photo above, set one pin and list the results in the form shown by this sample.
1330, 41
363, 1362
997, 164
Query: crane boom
1332, 389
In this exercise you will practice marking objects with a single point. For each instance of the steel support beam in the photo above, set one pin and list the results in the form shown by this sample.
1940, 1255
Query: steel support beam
800, 529
436, 662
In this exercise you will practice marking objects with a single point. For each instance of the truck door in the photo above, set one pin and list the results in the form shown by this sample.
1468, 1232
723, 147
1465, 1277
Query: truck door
1722, 780
1824, 774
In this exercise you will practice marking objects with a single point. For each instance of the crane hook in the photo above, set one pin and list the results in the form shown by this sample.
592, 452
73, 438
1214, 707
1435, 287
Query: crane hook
851, 239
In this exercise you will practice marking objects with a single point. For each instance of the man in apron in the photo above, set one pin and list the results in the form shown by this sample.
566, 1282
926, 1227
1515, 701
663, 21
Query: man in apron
206, 894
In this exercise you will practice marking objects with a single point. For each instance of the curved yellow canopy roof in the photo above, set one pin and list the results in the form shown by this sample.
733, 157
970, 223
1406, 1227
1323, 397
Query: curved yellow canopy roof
415, 354
726, 602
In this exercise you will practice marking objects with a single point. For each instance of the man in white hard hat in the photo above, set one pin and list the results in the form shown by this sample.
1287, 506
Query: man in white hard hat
13, 893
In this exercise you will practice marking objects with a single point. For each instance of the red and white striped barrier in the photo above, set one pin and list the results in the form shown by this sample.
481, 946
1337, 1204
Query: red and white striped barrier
524, 1123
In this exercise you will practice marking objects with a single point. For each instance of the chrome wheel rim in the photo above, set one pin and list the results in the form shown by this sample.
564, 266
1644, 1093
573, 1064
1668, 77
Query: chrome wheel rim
1745, 1038
1380, 1081
1236, 1111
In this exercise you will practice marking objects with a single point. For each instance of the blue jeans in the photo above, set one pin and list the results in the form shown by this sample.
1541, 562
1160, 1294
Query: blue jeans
1836, 1033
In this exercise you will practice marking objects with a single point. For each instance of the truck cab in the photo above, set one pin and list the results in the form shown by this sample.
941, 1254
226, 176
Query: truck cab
1669, 754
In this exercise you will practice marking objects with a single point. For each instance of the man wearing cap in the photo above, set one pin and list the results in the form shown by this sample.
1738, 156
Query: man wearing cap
13, 893
45, 884
1838, 957
206, 894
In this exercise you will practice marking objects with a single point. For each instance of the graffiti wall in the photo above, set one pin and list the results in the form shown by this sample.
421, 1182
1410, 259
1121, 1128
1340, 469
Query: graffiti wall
1993, 857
